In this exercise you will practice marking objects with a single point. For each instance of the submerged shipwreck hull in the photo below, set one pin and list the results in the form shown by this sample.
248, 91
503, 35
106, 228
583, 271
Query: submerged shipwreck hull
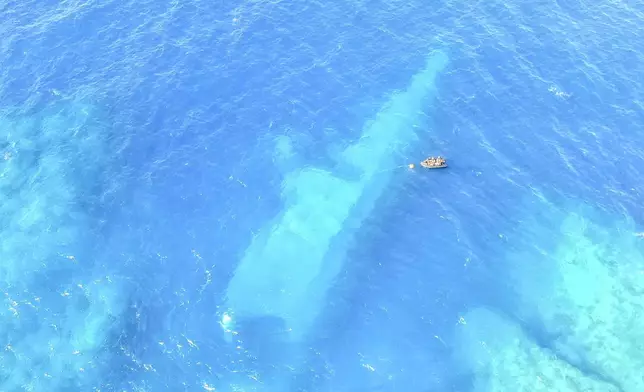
288, 268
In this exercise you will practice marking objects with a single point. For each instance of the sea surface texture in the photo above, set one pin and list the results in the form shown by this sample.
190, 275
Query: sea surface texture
219, 196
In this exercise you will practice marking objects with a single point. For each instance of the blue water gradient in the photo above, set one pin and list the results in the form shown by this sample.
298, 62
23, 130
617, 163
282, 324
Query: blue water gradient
141, 151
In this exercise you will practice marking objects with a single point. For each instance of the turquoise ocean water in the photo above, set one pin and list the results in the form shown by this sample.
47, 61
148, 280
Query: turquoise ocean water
213, 196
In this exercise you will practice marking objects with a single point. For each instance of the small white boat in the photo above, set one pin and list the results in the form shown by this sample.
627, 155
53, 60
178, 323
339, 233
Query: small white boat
434, 163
